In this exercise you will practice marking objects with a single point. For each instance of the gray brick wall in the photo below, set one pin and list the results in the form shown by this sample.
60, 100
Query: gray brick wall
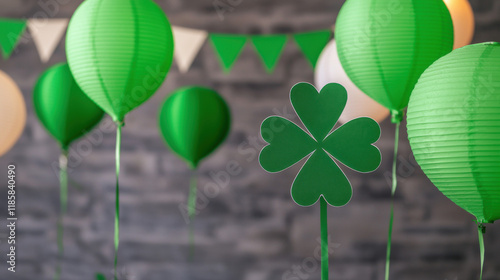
251, 230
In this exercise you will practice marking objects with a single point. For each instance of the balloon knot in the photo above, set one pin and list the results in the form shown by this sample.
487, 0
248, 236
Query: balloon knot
63, 159
120, 123
482, 228
396, 116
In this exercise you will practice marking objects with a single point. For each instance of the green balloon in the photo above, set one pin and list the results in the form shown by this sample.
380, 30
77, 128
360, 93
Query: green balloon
119, 52
194, 121
62, 107
454, 128
385, 45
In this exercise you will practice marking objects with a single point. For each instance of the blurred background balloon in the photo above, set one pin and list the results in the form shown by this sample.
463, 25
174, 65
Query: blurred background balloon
463, 21
119, 53
67, 114
329, 70
12, 113
194, 121
62, 107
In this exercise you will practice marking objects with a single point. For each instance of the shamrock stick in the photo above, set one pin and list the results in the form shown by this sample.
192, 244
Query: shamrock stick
397, 117
324, 239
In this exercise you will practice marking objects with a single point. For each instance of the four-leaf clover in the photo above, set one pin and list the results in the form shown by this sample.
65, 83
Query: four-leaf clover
350, 144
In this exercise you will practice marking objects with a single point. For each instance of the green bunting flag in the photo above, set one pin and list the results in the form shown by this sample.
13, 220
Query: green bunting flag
312, 43
269, 48
11, 31
228, 48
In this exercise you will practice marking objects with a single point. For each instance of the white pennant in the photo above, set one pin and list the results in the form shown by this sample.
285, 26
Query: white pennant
46, 34
188, 43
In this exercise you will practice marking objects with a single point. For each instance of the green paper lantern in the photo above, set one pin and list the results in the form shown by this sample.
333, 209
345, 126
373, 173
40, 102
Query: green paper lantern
62, 107
385, 45
11, 31
454, 128
194, 121
119, 52
228, 48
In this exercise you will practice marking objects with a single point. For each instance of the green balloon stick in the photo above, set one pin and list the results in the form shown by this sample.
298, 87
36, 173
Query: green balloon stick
120, 53
384, 46
194, 121
320, 178
454, 129
67, 114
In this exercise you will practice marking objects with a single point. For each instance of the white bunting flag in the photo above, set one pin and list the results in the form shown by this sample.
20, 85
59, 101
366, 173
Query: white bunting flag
47, 34
188, 43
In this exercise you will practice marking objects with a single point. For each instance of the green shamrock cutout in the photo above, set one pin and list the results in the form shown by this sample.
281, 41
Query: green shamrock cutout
351, 144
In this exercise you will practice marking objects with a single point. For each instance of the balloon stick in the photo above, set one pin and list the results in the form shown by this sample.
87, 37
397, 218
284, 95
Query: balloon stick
481, 231
396, 118
119, 125
63, 196
192, 211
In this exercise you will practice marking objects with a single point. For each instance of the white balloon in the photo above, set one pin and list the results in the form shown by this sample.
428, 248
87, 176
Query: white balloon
329, 70
463, 21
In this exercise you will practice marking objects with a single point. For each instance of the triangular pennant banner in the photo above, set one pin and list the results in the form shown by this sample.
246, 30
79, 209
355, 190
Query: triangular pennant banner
188, 43
312, 43
228, 48
269, 48
11, 31
47, 34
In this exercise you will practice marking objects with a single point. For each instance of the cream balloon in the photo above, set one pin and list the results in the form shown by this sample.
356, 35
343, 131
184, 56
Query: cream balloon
329, 70
12, 113
463, 21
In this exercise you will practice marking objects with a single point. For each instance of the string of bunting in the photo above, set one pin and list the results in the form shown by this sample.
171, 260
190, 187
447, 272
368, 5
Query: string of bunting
47, 33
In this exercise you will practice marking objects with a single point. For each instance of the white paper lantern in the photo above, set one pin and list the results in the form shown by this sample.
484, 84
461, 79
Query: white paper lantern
329, 70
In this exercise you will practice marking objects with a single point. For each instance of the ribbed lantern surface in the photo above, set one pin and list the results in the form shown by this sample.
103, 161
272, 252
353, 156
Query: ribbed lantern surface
119, 52
385, 45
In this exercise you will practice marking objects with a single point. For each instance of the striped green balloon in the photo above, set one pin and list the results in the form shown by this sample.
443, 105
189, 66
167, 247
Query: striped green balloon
385, 45
454, 128
119, 52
